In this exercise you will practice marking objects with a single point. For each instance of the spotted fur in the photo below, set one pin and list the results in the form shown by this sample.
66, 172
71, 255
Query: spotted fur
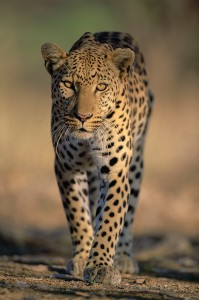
101, 104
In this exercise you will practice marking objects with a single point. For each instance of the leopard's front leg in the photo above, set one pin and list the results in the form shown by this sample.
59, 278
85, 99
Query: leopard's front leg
110, 214
73, 187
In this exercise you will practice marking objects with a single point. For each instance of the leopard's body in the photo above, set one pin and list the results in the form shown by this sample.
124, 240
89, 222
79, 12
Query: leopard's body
101, 105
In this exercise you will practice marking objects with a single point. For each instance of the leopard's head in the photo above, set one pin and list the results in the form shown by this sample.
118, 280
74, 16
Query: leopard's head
85, 84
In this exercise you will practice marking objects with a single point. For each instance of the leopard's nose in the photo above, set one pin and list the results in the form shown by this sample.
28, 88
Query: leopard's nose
83, 117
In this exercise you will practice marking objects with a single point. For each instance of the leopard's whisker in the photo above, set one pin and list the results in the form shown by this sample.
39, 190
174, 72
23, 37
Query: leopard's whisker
57, 131
58, 141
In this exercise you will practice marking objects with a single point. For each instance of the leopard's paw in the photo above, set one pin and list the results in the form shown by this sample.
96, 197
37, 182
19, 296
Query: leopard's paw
126, 265
106, 275
76, 266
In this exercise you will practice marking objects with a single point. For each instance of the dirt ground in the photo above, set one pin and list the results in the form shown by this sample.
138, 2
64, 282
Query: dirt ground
169, 269
35, 243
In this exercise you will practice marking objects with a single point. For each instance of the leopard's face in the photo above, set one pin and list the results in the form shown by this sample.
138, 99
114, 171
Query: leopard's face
84, 92
85, 86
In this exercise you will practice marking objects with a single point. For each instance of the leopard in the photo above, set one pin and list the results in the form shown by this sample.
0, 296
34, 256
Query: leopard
101, 107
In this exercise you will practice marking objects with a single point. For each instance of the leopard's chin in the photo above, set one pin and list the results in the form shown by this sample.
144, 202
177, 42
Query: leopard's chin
82, 134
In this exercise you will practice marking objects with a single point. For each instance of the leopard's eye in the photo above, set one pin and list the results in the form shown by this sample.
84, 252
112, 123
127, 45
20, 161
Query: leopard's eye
101, 87
68, 84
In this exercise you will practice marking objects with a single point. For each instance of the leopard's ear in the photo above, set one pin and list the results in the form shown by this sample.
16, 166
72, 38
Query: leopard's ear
123, 58
54, 56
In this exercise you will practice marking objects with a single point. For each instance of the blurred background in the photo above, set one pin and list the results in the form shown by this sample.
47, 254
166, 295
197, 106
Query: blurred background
167, 32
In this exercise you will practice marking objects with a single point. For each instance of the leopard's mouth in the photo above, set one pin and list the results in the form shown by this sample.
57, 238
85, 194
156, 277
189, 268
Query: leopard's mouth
82, 133
83, 130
